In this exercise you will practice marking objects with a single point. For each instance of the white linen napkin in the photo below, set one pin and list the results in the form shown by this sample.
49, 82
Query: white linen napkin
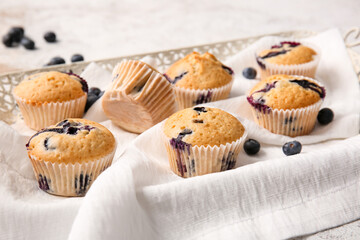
138, 197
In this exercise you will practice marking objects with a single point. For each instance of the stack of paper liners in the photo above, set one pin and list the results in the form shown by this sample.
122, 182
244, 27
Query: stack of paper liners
139, 97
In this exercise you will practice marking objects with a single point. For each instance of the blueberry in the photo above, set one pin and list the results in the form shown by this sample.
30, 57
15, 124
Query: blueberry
71, 130
249, 73
77, 58
198, 121
91, 99
200, 109
292, 148
55, 61
228, 70
184, 132
16, 33
325, 116
50, 37
94, 90
7, 40
251, 146
28, 43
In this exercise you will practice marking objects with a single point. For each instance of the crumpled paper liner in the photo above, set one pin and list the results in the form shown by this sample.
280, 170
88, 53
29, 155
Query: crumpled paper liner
70, 180
41, 115
305, 69
190, 161
190, 97
134, 110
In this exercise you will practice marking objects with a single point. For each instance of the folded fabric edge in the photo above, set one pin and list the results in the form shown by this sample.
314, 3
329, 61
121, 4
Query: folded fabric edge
298, 220
323, 202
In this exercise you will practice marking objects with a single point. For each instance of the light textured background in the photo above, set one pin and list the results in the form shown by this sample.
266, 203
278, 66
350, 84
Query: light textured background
110, 28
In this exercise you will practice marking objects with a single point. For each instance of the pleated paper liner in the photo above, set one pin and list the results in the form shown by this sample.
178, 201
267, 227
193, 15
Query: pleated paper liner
41, 115
190, 97
139, 97
70, 180
289, 122
190, 161
305, 69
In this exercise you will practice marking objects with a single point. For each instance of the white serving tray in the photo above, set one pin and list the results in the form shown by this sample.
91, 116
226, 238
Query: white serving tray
222, 50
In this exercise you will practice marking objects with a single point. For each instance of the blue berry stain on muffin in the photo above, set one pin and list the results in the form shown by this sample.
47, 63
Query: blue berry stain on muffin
259, 103
84, 84
198, 121
203, 98
276, 51
82, 183
200, 109
228, 69
177, 143
43, 183
177, 78
310, 85
291, 44
180, 145
64, 127
228, 162
289, 120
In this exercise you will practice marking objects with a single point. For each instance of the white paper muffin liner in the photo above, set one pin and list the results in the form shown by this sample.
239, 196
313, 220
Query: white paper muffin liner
289, 122
71, 180
190, 161
190, 97
295, 122
134, 110
305, 69
41, 115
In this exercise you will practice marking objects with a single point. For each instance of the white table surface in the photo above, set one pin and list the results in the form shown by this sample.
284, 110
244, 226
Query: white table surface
110, 28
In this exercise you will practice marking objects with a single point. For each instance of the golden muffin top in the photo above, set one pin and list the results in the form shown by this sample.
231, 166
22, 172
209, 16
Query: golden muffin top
51, 87
196, 71
287, 53
72, 141
285, 92
203, 126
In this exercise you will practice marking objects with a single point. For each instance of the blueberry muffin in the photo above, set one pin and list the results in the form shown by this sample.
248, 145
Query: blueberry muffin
286, 104
199, 79
139, 97
202, 140
288, 57
48, 97
69, 156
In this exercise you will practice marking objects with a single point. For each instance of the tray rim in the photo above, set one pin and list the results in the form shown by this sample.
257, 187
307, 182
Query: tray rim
310, 32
